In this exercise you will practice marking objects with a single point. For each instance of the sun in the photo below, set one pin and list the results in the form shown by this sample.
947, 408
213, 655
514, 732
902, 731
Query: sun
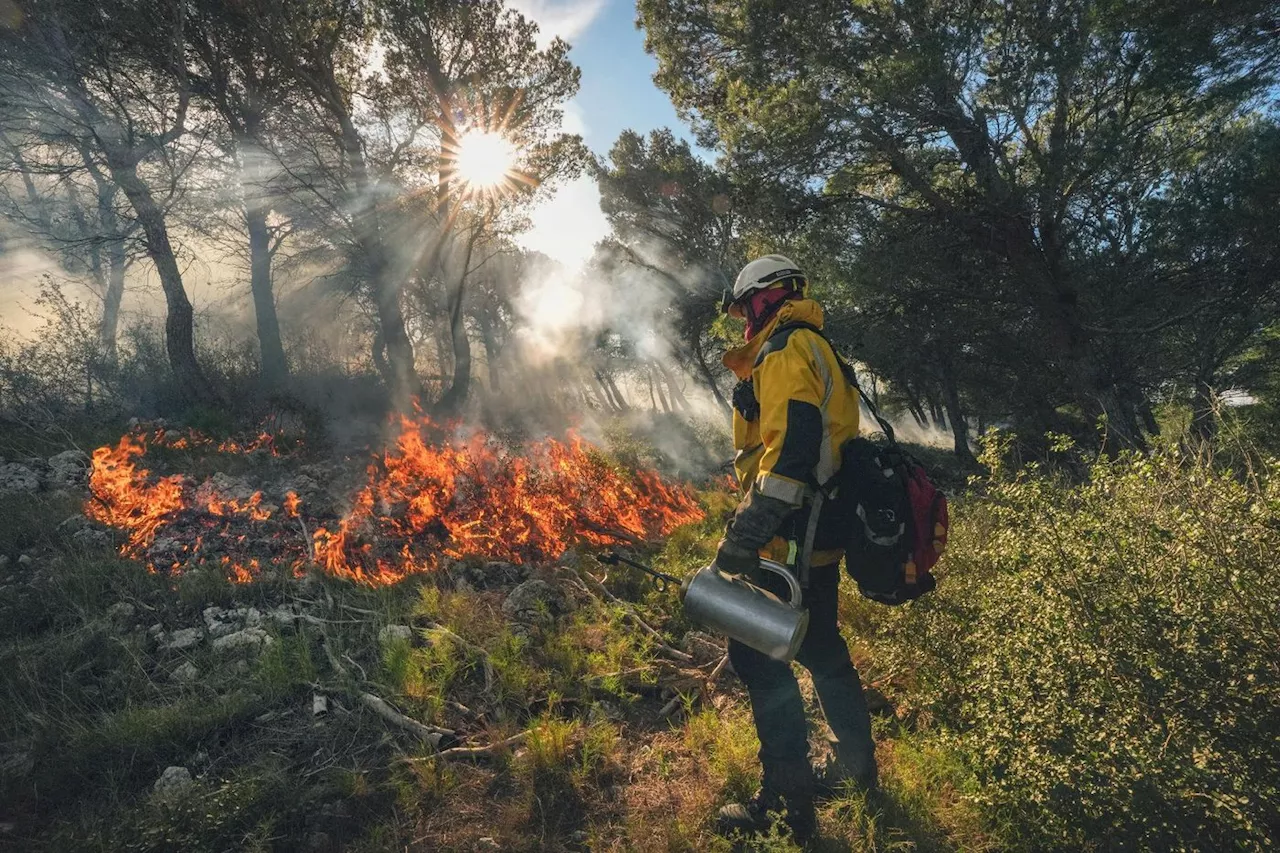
484, 160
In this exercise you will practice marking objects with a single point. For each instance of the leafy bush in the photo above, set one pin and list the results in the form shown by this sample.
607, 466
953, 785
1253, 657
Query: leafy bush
1105, 655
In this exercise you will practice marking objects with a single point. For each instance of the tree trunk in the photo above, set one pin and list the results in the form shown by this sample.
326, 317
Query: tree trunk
452, 401
596, 395
109, 266
936, 417
666, 407
179, 326
400, 376
1122, 421
275, 369
399, 372
490, 353
959, 426
611, 394
443, 360
109, 327
708, 377
605, 397
617, 393
677, 396
1204, 412
1148, 417
379, 352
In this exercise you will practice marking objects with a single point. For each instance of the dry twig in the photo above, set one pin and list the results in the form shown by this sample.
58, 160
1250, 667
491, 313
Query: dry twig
431, 734
306, 539
703, 690
476, 752
489, 751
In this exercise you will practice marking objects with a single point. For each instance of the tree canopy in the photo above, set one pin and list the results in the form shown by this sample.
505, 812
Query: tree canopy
1013, 172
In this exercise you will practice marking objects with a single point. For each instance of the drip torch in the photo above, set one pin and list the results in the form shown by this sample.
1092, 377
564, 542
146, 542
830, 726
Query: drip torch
731, 605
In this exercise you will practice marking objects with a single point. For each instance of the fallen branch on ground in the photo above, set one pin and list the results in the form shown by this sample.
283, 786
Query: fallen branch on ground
440, 629
621, 535
462, 709
333, 659
476, 752
306, 539
360, 610
703, 690
715, 673
485, 751
431, 734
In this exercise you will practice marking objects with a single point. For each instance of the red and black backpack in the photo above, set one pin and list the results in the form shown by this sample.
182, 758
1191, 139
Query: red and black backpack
895, 516
897, 520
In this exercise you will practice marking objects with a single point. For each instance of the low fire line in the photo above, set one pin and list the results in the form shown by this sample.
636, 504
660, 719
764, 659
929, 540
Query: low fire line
421, 502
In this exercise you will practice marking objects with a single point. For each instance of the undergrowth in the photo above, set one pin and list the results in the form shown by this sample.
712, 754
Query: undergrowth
1100, 660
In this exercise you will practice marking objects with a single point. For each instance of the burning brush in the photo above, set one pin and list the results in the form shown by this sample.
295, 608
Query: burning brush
420, 502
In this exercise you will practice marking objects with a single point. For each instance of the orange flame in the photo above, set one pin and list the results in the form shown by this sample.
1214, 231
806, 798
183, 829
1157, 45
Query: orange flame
421, 501
191, 439
252, 507
470, 498
124, 496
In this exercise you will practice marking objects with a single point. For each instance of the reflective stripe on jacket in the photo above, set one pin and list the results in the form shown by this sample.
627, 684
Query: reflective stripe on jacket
807, 412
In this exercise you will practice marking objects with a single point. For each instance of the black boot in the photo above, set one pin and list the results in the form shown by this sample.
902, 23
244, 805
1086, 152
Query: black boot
787, 792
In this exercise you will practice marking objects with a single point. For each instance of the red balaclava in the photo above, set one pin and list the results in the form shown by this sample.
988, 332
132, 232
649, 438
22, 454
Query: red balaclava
760, 306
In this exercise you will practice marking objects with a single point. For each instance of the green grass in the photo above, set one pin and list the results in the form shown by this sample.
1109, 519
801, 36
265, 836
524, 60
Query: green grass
285, 666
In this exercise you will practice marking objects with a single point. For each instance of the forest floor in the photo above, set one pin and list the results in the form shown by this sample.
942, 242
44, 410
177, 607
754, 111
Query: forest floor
481, 706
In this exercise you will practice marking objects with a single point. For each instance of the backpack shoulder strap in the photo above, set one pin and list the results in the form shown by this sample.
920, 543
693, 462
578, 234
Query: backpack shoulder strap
847, 369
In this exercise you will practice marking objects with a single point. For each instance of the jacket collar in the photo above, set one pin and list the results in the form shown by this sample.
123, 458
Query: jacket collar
742, 359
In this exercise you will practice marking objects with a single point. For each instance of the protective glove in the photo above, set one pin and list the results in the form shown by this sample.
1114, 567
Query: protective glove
735, 559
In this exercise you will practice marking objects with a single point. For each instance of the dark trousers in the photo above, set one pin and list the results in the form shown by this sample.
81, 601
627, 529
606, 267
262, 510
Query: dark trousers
776, 703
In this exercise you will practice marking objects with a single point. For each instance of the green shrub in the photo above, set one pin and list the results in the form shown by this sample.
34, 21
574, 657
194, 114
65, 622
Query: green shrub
1105, 654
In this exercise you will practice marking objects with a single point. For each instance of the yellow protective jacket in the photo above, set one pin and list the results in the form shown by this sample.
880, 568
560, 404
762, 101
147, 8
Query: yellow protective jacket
807, 413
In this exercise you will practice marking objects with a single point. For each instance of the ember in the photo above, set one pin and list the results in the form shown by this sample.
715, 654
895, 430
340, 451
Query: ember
421, 501
190, 439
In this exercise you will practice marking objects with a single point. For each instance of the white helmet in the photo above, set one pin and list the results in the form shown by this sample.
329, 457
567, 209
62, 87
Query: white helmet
761, 273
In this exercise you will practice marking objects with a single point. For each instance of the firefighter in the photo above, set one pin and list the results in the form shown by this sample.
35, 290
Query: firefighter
793, 411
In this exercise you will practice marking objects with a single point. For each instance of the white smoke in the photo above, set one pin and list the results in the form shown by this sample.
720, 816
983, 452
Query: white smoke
23, 272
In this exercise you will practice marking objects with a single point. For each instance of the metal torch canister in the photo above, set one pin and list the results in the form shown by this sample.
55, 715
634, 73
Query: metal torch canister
731, 605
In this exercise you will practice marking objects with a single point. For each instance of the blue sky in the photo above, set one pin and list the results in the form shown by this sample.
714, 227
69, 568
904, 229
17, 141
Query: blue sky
617, 87
617, 93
